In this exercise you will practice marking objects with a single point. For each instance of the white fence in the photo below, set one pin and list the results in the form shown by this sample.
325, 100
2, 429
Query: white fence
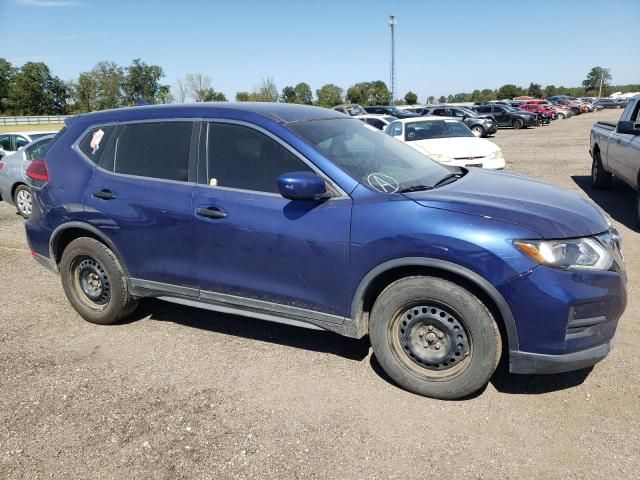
33, 120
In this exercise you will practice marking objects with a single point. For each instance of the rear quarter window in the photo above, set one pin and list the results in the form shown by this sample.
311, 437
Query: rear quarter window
94, 145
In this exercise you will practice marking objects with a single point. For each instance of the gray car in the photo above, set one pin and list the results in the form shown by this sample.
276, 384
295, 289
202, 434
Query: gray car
14, 185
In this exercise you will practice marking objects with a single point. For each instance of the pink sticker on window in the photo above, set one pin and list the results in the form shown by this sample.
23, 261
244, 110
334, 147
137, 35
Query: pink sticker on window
95, 140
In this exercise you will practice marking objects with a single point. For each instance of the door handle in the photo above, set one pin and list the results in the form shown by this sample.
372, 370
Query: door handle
212, 212
104, 194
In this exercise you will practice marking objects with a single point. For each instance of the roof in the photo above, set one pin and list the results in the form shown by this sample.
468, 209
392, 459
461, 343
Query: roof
425, 118
279, 112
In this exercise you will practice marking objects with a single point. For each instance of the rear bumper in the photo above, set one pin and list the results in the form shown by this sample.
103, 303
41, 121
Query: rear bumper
526, 362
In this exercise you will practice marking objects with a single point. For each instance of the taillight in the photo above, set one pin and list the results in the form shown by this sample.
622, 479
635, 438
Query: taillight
1, 165
38, 172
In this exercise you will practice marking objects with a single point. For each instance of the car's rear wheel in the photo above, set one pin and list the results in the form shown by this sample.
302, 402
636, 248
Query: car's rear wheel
517, 123
434, 337
95, 283
638, 208
600, 178
479, 130
22, 199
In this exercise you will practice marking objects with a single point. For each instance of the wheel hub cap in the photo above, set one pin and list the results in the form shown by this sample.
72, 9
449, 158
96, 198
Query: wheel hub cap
432, 337
93, 281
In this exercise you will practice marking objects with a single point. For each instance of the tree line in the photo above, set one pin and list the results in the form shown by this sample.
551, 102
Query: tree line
33, 89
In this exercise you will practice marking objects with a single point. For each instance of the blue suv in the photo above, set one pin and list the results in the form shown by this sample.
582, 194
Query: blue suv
302, 215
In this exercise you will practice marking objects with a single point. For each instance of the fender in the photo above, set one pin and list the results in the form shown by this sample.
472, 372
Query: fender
89, 228
488, 288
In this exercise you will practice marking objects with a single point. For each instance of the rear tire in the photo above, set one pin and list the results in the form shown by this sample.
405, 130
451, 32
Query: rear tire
95, 283
600, 178
479, 129
22, 198
517, 123
638, 208
434, 338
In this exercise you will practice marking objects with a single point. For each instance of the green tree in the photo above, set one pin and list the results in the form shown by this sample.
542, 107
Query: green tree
289, 95
265, 92
85, 93
142, 82
164, 95
329, 95
597, 76
59, 94
431, 99
34, 91
210, 95
411, 98
509, 91
242, 96
7, 72
304, 95
442, 99
550, 91
534, 90
488, 94
369, 93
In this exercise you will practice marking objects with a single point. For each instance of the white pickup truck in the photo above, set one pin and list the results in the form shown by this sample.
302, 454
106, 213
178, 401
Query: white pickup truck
615, 150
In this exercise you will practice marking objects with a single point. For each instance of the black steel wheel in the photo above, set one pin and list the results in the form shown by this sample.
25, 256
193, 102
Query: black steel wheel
95, 283
517, 123
434, 337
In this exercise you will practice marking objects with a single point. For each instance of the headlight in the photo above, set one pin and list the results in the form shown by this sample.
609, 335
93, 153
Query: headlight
578, 254
495, 155
440, 158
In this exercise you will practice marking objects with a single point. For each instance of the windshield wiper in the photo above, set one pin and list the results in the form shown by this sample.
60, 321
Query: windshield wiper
415, 188
447, 179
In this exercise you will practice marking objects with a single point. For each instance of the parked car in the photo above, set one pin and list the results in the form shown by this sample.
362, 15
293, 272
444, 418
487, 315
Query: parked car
507, 116
10, 142
545, 115
483, 125
607, 103
378, 121
14, 184
417, 109
302, 215
615, 150
393, 111
447, 140
352, 110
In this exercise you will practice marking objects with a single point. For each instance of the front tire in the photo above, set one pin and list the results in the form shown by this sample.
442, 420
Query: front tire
22, 198
638, 208
95, 282
600, 178
479, 129
434, 337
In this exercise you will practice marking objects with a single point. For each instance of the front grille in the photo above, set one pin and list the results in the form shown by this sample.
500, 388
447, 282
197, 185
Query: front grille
467, 158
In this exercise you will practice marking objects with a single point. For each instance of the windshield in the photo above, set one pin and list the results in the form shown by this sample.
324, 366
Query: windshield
373, 158
356, 110
469, 112
435, 129
35, 136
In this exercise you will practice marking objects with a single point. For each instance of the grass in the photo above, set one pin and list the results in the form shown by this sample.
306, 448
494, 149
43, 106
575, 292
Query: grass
43, 127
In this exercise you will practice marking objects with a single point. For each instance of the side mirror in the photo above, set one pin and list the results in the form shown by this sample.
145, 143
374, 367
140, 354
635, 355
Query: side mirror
465, 116
628, 127
302, 186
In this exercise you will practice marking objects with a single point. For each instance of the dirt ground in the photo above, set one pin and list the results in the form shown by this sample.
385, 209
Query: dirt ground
182, 393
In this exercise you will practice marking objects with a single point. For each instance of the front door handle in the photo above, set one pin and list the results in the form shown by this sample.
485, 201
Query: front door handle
104, 194
212, 212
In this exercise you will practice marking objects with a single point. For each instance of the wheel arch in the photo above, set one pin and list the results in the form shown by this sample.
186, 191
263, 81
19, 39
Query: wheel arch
66, 233
374, 282
14, 187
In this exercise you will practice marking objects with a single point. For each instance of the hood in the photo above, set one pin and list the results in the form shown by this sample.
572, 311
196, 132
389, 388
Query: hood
458, 147
550, 211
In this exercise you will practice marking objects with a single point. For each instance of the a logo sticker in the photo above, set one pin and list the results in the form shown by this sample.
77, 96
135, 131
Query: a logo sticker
383, 183
95, 141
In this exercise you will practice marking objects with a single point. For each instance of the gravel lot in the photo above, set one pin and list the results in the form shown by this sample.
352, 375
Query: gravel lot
183, 393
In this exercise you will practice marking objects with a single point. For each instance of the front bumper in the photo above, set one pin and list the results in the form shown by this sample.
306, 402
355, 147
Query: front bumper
565, 320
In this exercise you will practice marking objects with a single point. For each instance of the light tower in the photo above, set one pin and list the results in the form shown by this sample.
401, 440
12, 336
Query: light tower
392, 24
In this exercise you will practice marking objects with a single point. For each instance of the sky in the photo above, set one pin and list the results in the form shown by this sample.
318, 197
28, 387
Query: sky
442, 47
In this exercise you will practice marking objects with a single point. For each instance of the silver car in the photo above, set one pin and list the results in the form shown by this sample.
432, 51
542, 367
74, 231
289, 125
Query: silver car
14, 185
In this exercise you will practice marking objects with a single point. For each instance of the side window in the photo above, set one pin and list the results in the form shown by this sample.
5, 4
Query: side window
498, 109
243, 158
37, 150
454, 112
21, 141
5, 142
154, 150
379, 124
484, 109
627, 113
442, 112
394, 129
95, 145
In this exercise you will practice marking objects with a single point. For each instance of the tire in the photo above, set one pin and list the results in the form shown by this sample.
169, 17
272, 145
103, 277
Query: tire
448, 349
562, 116
600, 178
638, 208
517, 123
479, 129
22, 198
95, 282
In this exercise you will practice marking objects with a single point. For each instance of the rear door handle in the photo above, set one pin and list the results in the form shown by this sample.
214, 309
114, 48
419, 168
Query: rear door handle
211, 212
104, 194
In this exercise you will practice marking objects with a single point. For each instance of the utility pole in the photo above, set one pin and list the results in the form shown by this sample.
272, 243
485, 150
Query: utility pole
392, 24
601, 78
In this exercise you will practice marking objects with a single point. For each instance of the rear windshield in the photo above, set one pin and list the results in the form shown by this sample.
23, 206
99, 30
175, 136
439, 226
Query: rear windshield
435, 129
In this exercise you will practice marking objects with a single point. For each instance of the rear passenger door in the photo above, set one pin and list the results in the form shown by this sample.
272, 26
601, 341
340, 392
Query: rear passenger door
140, 197
501, 116
254, 247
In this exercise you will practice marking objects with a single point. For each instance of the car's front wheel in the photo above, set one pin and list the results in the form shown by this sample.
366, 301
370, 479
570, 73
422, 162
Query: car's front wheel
22, 199
95, 283
479, 130
434, 337
638, 207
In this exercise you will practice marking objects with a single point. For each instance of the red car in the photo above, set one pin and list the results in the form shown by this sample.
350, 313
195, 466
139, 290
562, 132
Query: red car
540, 109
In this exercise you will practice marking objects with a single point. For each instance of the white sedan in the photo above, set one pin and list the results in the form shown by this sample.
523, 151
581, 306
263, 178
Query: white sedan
447, 140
